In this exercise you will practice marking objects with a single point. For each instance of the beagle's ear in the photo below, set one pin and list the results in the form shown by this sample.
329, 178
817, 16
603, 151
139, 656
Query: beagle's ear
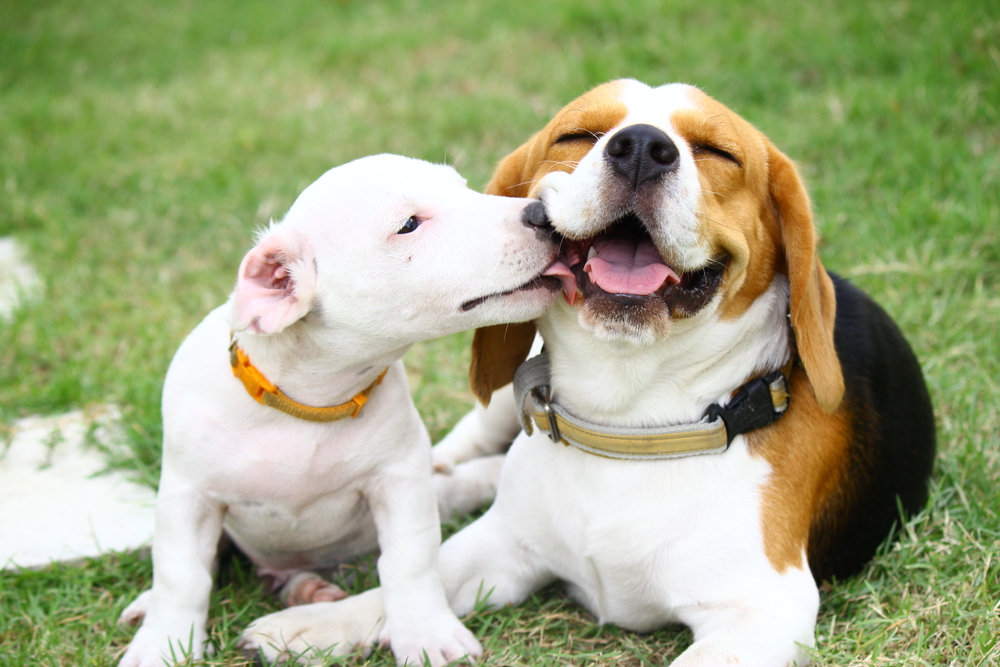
497, 351
276, 285
813, 302
511, 178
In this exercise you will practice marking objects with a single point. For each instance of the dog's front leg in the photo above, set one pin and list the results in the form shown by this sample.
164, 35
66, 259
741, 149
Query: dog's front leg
484, 431
769, 627
173, 612
481, 561
418, 621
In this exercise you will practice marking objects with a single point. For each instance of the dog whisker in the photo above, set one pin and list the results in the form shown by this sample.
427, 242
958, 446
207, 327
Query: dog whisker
720, 224
517, 185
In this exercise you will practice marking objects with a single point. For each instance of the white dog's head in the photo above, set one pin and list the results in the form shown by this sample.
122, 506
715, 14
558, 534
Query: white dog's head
388, 247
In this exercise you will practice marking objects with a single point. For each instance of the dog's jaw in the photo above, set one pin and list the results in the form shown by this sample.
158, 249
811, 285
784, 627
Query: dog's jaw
672, 380
634, 274
546, 283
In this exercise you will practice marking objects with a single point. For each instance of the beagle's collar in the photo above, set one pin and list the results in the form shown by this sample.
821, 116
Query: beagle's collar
266, 393
757, 403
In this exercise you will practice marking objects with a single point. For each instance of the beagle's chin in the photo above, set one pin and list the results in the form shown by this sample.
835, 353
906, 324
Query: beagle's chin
624, 286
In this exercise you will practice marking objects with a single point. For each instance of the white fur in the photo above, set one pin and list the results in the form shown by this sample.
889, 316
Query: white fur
482, 432
586, 208
640, 543
296, 495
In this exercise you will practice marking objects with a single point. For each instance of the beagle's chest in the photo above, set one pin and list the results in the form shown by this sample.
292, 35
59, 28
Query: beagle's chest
639, 541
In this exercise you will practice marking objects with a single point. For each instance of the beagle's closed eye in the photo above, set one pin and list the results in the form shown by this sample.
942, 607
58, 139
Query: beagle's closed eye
715, 151
589, 137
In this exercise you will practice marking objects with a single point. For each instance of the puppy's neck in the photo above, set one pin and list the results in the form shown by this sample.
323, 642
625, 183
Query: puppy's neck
315, 367
673, 380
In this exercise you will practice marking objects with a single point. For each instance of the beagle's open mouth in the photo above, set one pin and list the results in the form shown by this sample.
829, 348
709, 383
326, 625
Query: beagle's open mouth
622, 264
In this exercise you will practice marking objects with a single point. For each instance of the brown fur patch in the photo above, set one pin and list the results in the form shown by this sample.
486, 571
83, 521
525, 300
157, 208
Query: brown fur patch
497, 351
761, 217
808, 451
736, 215
590, 115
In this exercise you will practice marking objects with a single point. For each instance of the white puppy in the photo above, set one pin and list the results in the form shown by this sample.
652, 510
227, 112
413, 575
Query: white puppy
375, 255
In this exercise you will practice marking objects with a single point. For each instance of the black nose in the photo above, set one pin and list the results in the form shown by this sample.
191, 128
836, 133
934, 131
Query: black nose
534, 215
640, 153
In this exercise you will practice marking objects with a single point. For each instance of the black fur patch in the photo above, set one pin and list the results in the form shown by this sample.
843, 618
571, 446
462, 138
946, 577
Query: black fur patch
892, 452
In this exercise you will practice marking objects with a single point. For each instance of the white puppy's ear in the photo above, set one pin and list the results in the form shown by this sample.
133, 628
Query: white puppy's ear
276, 285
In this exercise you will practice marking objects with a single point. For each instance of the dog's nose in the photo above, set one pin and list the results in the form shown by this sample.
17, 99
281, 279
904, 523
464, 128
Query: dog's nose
640, 153
534, 215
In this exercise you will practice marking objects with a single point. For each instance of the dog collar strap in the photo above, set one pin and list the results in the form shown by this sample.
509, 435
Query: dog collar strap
757, 403
266, 393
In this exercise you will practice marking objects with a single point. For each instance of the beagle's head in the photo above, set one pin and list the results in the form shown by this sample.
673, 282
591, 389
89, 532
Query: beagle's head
668, 202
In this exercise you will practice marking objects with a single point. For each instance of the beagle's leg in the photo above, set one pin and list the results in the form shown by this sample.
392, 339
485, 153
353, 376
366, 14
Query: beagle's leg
484, 562
334, 628
772, 628
482, 432
468, 487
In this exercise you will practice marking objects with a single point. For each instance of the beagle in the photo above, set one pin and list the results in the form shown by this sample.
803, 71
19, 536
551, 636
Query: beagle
716, 423
288, 423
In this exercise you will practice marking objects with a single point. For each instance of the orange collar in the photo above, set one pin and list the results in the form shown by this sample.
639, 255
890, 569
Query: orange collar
266, 393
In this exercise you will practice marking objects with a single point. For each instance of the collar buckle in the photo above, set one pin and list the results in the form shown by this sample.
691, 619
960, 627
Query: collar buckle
543, 394
757, 404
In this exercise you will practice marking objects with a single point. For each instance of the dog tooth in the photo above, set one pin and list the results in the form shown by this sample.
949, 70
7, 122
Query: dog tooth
592, 253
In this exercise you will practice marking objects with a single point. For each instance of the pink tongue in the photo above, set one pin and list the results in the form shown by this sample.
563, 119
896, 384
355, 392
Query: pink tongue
561, 271
624, 266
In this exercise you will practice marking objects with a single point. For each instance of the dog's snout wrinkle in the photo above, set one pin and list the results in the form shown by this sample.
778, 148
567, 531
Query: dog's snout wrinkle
641, 153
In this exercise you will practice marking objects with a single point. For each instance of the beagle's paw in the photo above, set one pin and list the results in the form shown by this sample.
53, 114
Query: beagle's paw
469, 486
478, 433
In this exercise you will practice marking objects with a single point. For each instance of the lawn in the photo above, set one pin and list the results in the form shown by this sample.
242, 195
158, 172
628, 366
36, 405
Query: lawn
142, 143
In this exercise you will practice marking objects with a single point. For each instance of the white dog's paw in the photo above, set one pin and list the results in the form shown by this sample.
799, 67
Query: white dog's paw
438, 639
311, 632
135, 612
309, 588
154, 647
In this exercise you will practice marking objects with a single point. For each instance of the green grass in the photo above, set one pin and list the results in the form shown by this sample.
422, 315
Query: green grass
142, 143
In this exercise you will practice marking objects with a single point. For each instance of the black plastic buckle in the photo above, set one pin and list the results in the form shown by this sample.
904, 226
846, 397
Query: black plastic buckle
751, 408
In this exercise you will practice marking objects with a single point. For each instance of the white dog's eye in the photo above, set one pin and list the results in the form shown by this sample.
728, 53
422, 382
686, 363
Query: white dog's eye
409, 226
